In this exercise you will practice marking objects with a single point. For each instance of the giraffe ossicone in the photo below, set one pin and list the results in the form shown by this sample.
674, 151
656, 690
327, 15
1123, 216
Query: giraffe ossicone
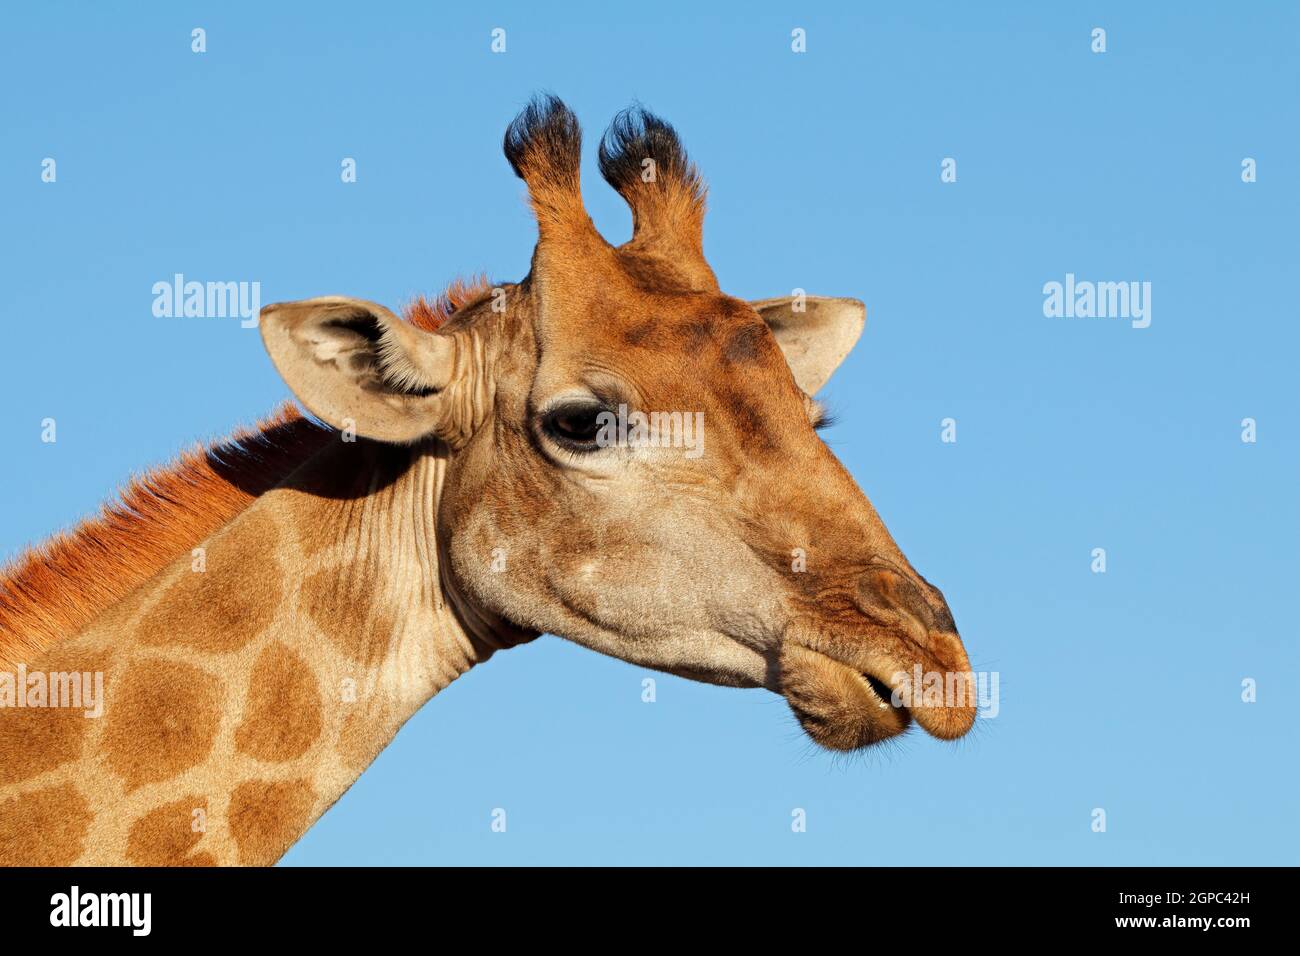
451, 498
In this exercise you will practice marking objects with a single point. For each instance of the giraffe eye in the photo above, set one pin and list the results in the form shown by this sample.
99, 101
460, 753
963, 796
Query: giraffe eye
576, 426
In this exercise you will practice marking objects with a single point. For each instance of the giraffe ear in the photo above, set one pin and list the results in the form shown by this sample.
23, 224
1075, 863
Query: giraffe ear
357, 366
814, 332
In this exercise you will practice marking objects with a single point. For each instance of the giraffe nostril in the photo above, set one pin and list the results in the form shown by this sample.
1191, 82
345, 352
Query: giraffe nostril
885, 585
942, 614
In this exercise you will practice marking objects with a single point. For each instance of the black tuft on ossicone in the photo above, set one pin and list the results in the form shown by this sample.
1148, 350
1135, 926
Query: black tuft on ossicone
636, 135
544, 140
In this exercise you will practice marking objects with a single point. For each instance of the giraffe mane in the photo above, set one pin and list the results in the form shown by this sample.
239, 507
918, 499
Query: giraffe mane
53, 589
430, 315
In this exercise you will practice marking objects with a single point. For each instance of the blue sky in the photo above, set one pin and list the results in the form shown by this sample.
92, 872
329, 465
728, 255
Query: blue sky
1119, 690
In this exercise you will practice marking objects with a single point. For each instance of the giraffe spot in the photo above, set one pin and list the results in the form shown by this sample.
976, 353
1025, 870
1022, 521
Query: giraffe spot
647, 333
693, 333
282, 716
229, 603
34, 740
165, 836
745, 344
346, 613
751, 425
266, 818
362, 735
69, 684
44, 828
161, 720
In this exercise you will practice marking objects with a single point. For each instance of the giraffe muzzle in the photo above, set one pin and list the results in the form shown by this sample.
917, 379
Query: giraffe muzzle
858, 683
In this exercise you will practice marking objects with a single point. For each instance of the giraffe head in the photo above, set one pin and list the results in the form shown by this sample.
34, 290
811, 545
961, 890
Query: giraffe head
632, 455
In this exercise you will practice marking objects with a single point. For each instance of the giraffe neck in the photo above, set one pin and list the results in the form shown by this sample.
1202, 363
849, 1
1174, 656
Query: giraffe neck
251, 682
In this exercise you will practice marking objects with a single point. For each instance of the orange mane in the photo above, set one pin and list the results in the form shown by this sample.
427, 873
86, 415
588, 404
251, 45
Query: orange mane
54, 589
430, 316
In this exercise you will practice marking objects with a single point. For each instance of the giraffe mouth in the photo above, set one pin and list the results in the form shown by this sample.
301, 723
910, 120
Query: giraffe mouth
838, 706
843, 707
882, 690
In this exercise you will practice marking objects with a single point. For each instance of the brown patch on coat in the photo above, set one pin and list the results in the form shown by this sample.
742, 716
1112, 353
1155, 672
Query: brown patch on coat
161, 720
282, 717
753, 430
344, 610
642, 333
44, 828
695, 332
745, 344
266, 818
165, 836
216, 611
38, 739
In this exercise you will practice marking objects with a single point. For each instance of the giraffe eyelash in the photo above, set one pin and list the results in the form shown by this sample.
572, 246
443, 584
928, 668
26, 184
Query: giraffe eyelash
820, 417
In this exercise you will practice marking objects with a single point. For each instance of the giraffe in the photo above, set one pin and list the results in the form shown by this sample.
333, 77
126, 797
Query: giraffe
267, 612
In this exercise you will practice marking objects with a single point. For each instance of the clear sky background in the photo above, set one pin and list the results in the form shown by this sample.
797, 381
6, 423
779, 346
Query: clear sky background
1119, 690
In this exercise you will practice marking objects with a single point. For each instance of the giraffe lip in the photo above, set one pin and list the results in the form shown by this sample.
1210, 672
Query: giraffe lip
949, 715
838, 705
